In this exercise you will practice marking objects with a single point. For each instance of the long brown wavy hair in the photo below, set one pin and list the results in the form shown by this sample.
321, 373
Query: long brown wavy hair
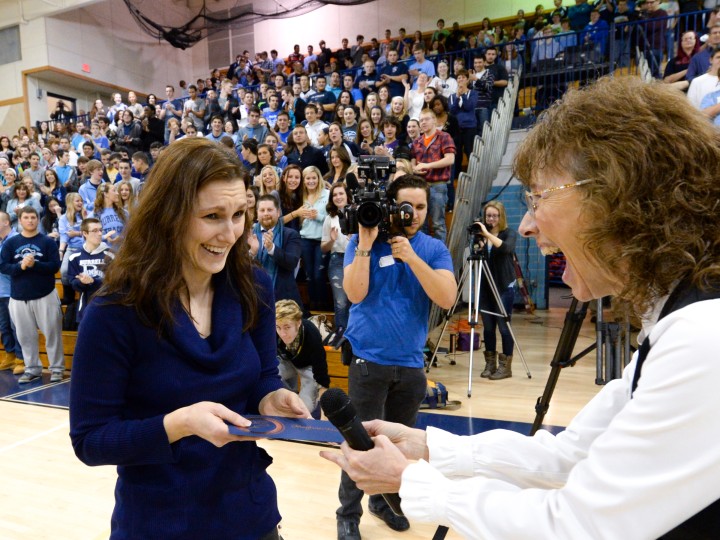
290, 199
99, 206
147, 271
654, 202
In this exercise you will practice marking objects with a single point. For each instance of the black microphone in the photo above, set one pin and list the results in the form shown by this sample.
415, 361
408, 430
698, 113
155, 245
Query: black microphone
341, 412
351, 182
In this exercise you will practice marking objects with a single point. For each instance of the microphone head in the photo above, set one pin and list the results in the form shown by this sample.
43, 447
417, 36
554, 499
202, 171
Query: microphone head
337, 406
351, 181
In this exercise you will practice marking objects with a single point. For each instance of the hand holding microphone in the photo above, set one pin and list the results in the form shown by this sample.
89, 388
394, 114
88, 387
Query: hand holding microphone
375, 466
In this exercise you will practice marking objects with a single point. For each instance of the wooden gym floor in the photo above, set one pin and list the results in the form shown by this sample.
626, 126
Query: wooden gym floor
46, 493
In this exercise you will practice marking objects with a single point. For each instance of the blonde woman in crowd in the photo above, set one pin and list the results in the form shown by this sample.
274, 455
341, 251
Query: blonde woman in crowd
128, 200
313, 212
71, 238
110, 213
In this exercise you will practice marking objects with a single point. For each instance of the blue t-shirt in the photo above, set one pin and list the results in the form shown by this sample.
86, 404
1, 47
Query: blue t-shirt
111, 222
64, 226
711, 99
390, 325
395, 88
271, 116
63, 172
88, 192
426, 67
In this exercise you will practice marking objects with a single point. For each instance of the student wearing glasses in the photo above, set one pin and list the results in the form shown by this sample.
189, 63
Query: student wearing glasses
443, 82
86, 267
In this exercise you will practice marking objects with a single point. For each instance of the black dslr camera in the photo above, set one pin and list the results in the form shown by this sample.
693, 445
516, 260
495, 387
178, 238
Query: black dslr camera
368, 205
474, 229
476, 238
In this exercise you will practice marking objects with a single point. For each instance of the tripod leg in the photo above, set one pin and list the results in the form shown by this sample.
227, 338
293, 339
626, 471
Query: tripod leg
448, 316
612, 351
617, 366
475, 280
573, 322
470, 368
599, 357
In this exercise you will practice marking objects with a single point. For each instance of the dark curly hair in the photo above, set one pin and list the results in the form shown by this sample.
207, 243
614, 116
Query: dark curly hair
653, 204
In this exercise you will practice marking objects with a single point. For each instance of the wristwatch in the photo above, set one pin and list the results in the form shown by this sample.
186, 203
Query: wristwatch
361, 253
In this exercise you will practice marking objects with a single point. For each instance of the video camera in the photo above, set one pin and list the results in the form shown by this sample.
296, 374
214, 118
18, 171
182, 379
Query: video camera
369, 205
476, 238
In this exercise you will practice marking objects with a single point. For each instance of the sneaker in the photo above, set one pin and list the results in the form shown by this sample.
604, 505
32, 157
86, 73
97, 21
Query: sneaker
56, 376
348, 530
19, 368
391, 519
28, 378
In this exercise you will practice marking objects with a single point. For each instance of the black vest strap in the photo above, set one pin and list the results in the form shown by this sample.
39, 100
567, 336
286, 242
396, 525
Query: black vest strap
705, 525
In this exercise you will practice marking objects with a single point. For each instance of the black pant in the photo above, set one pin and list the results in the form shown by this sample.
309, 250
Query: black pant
272, 535
391, 393
465, 143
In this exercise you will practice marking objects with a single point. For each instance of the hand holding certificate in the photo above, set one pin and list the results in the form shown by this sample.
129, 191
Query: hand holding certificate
290, 429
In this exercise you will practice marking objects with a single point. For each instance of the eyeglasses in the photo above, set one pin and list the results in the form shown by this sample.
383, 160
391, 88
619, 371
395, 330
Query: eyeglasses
94, 230
532, 198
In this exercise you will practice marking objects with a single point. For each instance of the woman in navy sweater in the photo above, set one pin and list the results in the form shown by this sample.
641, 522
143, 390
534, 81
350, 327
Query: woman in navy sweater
191, 348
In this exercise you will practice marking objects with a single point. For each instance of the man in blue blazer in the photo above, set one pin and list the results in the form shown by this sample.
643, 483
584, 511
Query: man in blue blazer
277, 248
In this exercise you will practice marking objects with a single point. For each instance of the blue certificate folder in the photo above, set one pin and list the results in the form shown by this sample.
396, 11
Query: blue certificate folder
291, 429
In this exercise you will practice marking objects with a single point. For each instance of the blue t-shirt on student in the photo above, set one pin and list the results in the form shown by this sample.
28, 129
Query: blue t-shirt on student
391, 322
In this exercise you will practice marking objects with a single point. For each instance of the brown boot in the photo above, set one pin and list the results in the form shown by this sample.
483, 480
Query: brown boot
8, 361
19, 367
490, 363
503, 370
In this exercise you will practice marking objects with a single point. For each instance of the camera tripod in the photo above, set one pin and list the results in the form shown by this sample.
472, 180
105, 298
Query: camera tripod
473, 269
612, 353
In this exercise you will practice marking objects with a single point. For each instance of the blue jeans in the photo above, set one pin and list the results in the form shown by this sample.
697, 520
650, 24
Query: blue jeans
340, 299
670, 42
312, 258
7, 329
391, 393
309, 388
621, 53
491, 322
436, 210
654, 58
451, 194
483, 115
464, 145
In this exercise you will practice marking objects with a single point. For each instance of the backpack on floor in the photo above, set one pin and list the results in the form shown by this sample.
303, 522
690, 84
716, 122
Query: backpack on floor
436, 396
327, 334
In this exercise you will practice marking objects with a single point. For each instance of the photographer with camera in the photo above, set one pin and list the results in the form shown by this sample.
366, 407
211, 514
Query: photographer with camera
391, 282
497, 242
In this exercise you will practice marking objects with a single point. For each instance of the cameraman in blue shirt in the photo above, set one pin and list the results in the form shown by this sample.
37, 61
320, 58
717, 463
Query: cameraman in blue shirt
391, 285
